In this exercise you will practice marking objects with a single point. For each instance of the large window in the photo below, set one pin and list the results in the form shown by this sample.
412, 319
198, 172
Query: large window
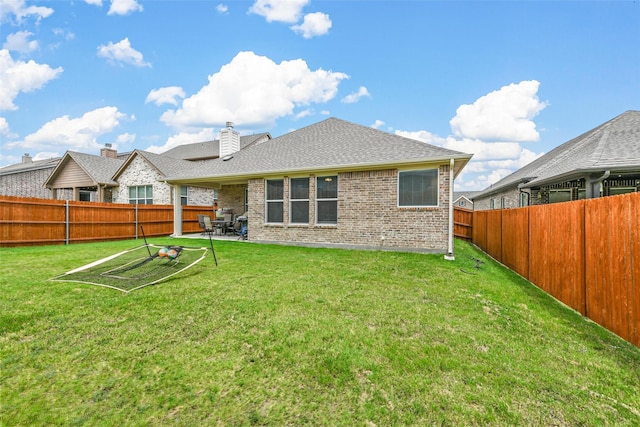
418, 188
141, 195
299, 200
275, 200
327, 200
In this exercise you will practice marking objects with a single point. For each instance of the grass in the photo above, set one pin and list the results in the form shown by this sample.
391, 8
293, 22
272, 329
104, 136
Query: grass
298, 336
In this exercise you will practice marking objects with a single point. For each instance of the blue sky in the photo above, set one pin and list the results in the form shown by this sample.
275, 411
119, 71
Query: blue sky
506, 81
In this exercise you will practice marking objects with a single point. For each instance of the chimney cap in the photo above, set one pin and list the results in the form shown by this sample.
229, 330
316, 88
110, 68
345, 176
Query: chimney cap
230, 125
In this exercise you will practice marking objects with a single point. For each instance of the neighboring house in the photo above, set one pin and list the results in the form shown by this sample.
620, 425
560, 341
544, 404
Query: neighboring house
336, 183
211, 149
141, 176
464, 199
85, 177
27, 179
601, 162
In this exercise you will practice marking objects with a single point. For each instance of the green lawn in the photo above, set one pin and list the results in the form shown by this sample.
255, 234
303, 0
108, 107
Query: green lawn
281, 335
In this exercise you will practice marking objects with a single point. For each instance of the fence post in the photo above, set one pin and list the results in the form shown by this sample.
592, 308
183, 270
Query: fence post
66, 222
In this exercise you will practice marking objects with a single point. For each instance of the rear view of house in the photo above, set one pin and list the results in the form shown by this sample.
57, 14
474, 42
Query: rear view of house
336, 183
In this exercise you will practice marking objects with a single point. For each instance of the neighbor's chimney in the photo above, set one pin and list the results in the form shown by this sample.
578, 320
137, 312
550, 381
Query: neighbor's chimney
229, 140
27, 158
108, 152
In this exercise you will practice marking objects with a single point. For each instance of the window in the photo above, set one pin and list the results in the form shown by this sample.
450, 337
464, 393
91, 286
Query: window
492, 204
184, 193
556, 196
418, 188
141, 195
275, 200
461, 203
503, 202
524, 199
299, 210
327, 200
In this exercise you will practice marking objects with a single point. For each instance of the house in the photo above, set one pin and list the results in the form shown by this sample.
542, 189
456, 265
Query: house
27, 179
464, 199
336, 183
140, 181
601, 162
85, 177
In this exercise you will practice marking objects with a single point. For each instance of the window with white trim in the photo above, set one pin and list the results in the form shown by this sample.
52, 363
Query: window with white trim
141, 195
275, 200
418, 188
299, 200
327, 199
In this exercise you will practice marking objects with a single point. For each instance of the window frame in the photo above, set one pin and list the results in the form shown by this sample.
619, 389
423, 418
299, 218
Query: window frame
319, 200
148, 195
293, 200
437, 187
184, 198
268, 201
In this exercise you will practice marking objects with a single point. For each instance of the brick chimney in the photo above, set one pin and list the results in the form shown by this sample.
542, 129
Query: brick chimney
229, 141
108, 152
27, 158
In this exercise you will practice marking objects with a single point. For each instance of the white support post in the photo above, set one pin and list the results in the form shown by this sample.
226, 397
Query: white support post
177, 211
450, 256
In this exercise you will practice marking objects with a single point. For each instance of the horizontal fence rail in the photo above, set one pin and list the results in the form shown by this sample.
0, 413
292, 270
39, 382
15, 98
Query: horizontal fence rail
29, 221
584, 253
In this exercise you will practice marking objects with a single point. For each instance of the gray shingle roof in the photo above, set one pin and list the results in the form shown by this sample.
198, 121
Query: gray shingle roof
99, 168
332, 143
612, 145
163, 164
208, 149
26, 167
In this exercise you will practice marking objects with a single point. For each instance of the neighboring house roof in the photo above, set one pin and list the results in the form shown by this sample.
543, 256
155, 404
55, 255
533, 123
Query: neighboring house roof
457, 195
30, 166
98, 169
330, 145
162, 163
614, 145
210, 149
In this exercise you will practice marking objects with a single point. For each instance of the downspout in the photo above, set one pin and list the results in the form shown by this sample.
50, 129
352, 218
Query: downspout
450, 256
597, 181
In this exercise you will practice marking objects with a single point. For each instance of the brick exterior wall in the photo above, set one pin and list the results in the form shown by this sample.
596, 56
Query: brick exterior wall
26, 184
140, 172
511, 200
368, 215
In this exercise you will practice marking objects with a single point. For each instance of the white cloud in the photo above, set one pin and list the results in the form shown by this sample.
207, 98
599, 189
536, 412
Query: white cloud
222, 9
314, 24
492, 129
4, 127
502, 115
46, 155
19, 42
377, 124
126, 138
20, 10
254, 90
65, 34
288, 11
124, 7
20, 76
165, 95
182, 138
352, 98
122, 53
74, 133
94, 2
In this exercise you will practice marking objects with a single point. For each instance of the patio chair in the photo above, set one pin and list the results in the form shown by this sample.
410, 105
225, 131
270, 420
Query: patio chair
207, 225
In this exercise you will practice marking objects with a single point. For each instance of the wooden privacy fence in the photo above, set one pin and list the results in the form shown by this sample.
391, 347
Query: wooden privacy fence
584, 253
28, 221
462, 223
